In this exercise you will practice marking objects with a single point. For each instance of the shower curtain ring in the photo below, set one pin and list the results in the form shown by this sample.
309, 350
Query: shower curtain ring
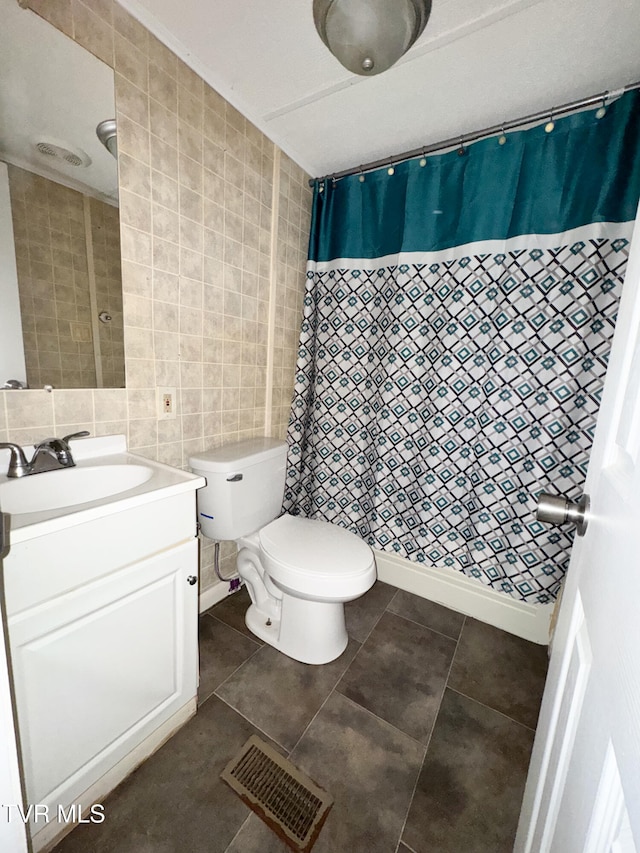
601, 112
361, 178
423, 159
550, 124
391, 170
503, 137
461, 150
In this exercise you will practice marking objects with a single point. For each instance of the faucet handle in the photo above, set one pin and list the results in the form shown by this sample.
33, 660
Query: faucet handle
18, 465
80, 434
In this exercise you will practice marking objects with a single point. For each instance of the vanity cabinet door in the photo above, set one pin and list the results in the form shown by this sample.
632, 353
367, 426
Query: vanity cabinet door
99, 668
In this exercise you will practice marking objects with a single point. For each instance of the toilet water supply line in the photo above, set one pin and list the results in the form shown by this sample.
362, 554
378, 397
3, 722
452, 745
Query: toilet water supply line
234, 580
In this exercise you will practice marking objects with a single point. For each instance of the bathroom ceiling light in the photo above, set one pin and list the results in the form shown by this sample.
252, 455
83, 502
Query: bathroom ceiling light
107, 134
369, 36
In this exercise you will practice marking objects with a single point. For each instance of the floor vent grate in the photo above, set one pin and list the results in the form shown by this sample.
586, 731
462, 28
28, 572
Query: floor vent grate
284, 797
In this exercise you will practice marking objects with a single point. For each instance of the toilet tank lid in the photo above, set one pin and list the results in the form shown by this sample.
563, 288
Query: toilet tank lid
229, 457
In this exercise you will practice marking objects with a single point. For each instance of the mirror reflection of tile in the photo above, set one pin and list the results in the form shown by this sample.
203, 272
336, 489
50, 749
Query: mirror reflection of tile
62, 190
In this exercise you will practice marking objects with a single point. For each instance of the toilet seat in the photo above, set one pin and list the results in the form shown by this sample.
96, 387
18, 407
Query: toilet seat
316, 559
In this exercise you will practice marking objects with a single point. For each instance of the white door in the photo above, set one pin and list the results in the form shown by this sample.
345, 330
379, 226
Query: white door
583, 789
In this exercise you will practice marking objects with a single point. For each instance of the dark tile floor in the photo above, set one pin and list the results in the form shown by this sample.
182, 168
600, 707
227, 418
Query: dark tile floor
421, 731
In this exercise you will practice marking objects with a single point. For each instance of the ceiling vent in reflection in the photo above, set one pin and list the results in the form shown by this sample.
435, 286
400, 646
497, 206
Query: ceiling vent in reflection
57, 151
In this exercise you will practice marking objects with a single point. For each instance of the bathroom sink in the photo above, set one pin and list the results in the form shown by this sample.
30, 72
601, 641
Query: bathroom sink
70, 487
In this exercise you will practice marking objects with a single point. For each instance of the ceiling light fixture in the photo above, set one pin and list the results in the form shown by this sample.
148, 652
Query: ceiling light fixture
107, 133
369, 36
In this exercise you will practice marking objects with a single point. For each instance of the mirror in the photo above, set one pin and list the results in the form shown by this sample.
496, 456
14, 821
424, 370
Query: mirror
60, 284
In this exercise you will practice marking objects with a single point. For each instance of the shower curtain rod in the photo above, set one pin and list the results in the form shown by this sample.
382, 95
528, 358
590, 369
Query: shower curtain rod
454, 141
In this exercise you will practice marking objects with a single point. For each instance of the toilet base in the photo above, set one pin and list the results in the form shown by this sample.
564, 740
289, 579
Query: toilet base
308, 631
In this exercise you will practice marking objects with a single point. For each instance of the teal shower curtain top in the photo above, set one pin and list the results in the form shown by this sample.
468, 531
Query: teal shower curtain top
585, 170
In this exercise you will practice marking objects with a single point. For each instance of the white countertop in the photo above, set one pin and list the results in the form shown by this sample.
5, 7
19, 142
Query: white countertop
165, 481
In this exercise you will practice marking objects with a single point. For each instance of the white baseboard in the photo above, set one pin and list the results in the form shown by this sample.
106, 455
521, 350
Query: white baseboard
468, 596
52, 833
212, 595
453, 589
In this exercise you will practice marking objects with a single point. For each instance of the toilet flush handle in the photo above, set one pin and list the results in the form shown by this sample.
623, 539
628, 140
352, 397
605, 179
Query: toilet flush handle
234, 478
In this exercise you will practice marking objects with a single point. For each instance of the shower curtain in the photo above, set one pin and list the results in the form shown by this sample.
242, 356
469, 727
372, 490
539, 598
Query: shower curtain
457, 323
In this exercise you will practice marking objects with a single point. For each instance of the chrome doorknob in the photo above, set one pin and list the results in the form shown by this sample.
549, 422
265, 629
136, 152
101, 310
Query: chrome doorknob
556, 509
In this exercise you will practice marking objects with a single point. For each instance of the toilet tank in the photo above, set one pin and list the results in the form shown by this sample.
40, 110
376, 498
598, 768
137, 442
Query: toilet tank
245, 486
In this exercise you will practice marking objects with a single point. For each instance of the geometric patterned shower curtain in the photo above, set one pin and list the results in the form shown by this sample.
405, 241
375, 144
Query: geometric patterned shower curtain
435, 398
439, 391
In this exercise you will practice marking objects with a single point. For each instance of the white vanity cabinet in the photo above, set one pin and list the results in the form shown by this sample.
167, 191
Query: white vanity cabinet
102, 618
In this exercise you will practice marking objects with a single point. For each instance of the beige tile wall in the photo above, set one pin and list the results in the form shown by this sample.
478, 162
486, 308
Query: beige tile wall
204, 263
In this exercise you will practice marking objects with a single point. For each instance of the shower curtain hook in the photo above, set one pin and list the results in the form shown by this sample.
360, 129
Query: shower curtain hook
461, 150
423, 159
602, 111
550, 124
361, 178
391, 170
503, 137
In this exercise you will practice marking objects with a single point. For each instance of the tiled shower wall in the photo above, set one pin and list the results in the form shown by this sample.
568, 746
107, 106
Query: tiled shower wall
212, 281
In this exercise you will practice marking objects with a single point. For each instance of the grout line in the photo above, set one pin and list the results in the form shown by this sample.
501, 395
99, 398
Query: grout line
393, 597
435, 720
368, 635
453, 657
428, 627
200, 703
446, 681
326, 699
399, 731
381, 719
335, 687
406, 845
226, 624
495, 710
254, 652
254, 725
240, 828
228, 704
373, 627
471, 697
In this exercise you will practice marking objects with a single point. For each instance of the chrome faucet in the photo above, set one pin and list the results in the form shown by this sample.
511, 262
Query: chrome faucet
50, 455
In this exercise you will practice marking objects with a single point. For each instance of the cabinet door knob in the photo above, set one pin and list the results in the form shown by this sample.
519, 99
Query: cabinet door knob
192, 579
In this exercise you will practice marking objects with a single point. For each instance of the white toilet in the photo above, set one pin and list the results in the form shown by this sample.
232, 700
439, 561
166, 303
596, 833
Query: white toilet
299, 572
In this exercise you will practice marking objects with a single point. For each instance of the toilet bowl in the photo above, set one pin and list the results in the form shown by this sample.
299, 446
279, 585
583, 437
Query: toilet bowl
299, 572
309, 570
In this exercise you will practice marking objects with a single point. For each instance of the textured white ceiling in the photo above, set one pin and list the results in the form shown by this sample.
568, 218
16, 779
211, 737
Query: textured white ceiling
478, 62
52, 89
